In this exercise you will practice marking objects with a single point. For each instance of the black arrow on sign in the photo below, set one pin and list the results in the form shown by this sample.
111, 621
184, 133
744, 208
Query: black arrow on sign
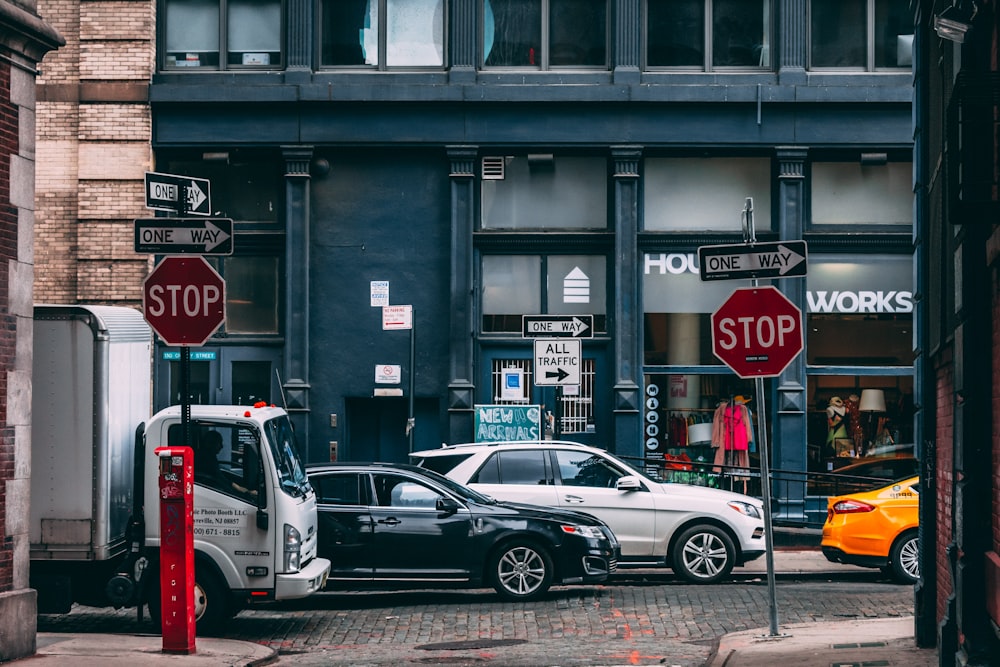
559, 374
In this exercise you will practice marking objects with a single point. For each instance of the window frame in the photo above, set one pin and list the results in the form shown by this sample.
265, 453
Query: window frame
708, 34
870, 51
545, 46
223, 44
382, 39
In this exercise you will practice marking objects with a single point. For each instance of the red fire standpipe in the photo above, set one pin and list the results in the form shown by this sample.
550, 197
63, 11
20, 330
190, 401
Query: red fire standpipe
177, 548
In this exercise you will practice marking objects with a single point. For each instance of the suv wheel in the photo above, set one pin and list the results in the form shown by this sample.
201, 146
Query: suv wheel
703, 555
521, 570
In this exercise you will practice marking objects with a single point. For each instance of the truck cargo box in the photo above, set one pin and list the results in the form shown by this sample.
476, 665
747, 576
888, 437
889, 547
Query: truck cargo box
91, 386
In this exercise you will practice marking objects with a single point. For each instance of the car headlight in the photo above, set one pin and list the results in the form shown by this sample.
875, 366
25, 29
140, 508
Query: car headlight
746, 509
594, 532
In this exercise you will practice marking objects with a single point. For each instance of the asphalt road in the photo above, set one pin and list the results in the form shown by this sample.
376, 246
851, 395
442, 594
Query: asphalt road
638, 618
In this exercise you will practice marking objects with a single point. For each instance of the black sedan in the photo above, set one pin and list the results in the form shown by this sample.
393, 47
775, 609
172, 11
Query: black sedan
402, 526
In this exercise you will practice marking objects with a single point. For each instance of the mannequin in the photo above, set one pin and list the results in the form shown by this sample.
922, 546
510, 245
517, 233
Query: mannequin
836, 423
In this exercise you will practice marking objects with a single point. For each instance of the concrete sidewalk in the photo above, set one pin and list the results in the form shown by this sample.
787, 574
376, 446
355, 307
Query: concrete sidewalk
881, 641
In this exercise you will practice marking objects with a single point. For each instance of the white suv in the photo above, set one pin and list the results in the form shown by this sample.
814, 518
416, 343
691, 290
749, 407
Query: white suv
700, 533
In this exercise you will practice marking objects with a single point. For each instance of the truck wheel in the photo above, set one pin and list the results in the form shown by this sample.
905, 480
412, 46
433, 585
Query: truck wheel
703, 555
905, 558
520, 570
211, 604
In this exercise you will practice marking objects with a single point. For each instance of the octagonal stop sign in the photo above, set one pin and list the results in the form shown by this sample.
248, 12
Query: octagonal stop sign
757, 332
184, 300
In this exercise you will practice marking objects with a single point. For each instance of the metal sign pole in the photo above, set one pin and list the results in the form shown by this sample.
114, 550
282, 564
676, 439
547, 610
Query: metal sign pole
750, 237
182, 200
410, 418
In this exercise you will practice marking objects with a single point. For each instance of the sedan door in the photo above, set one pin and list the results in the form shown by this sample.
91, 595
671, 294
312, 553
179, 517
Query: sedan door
345, 532
587, 482
414, 539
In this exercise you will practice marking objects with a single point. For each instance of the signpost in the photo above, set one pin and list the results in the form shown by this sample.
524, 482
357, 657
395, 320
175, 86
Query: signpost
557, 326
171, 236
757, 332
785, 259
180, 194
184, 300
557, 361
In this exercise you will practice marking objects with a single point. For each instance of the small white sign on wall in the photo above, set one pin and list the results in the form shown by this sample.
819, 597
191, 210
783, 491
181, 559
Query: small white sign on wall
512, 386
387, 374
380, 293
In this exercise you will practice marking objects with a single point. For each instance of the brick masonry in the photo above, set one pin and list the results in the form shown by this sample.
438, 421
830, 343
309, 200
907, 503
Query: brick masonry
94, 149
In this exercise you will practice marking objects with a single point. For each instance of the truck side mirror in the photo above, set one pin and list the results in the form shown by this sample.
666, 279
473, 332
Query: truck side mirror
263, 520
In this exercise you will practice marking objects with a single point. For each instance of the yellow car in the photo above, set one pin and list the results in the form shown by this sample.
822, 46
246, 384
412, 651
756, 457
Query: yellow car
876, 528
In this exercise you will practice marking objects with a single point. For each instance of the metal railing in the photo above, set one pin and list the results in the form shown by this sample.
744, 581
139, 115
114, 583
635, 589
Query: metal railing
806, 492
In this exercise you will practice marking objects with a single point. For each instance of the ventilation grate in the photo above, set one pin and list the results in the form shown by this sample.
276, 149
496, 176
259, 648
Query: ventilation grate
493, 168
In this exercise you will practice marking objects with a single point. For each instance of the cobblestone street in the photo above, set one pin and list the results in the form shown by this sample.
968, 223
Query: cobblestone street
637, 619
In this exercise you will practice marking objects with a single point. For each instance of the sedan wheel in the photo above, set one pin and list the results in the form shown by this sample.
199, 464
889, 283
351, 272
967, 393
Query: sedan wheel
905, 558
521, 571
703, 555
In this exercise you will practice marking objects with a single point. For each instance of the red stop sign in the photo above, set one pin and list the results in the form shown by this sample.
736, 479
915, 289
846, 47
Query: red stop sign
757, 332
184, 300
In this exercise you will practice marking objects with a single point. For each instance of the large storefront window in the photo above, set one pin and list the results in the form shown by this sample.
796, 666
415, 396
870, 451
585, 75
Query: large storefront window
856, 193
544, 192
513, 286
860, 310
354, 33
859, 347
677, 307
687, 194
739, 32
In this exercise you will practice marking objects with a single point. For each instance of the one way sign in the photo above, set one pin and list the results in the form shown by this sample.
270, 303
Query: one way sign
163, 193
784, 259
172, 236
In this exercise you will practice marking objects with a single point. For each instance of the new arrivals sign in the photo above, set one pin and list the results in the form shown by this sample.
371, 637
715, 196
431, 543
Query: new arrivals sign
495, 423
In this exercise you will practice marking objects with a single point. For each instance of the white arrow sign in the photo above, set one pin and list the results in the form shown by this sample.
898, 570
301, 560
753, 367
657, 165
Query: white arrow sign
764, 260
209, 236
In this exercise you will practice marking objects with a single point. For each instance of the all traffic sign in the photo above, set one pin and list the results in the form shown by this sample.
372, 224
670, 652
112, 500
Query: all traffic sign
168, 236
757, 332
785, 259
163, 193
184, 300
557, 361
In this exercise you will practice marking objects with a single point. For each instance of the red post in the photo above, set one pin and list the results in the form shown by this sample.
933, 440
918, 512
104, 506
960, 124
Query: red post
177, 548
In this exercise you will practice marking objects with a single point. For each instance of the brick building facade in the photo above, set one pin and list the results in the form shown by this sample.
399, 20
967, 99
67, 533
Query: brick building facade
957, 162
24, 40
94, 149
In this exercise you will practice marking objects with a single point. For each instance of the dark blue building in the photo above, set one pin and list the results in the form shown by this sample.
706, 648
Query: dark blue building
481, 160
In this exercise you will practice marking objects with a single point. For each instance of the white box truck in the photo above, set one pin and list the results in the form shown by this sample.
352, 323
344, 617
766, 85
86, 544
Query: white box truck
94, 518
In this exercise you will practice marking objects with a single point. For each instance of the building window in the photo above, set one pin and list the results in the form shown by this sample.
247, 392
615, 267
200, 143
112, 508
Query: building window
738, 32
544, 192
856, 193
518, 285
860, 34
705, 194
854, 298
222, 34
545, 34
354, 33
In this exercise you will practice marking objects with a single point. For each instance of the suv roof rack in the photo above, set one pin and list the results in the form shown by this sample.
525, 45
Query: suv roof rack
513, 442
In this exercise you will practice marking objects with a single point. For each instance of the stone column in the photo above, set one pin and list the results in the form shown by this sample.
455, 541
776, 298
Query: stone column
461, 385
297, 219
628, 398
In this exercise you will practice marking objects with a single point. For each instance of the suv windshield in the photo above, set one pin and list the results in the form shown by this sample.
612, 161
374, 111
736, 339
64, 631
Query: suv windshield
284, 450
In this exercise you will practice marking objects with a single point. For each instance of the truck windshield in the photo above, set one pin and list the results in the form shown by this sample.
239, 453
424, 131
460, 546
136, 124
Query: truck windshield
281, 439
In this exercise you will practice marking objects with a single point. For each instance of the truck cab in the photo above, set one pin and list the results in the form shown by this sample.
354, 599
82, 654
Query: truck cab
254, 510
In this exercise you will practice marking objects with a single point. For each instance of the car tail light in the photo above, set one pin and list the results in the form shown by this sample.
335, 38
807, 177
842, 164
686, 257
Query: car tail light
852, 507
